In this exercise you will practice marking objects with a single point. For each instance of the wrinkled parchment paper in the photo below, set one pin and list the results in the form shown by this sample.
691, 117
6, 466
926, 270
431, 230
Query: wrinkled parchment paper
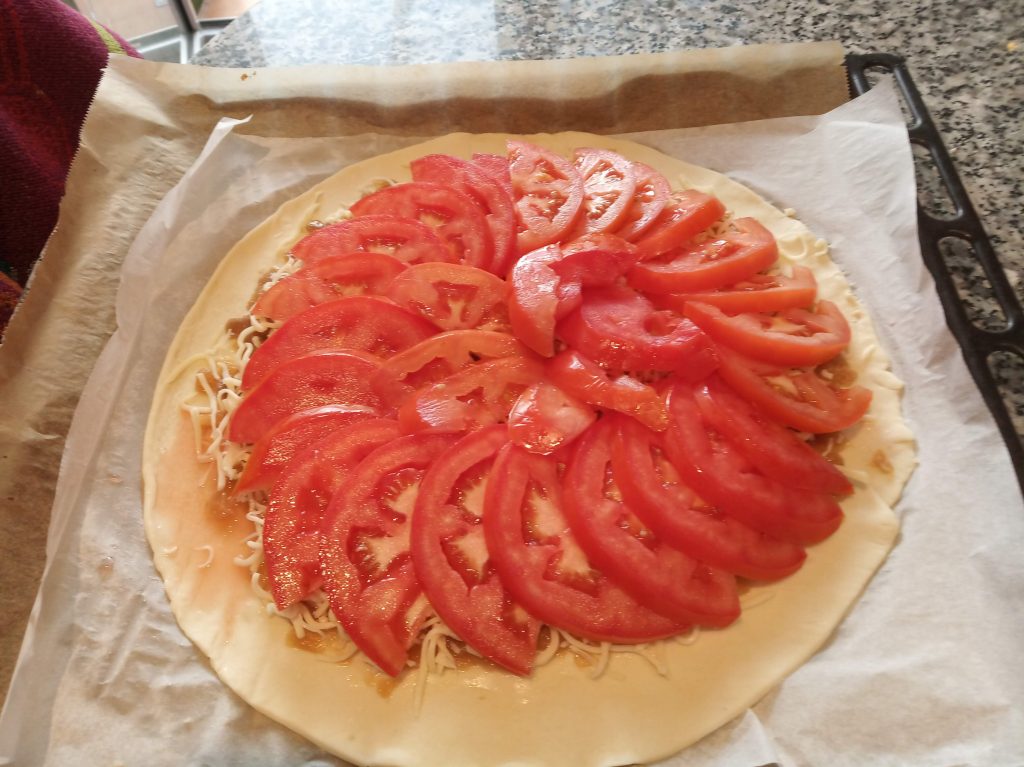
924, 671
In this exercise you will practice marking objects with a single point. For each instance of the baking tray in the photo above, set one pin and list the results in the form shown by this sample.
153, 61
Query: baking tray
953, 245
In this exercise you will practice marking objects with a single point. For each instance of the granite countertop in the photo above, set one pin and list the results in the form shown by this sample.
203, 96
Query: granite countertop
966, 59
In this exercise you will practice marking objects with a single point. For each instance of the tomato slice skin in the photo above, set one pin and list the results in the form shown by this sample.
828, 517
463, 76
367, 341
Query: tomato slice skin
452, 296
655, 574
377, 601
289, 436
468, 595
404, 239
713, 467
595, 260
794, 337
475, 183
476, 396
676, 514
759, 293
649, 200
609, 185
585, 379
462, 226
313, 380
797, 398
545, 418
731, 258
495, 166
299, 498
685, 215
773, 449
621, 330
548, 194
365, 323
350, 274
538, 297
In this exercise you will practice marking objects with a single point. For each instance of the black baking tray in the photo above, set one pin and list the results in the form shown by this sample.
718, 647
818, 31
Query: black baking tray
963, 228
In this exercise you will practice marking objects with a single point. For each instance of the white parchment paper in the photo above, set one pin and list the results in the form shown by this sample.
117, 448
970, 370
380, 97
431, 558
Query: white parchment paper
926, 670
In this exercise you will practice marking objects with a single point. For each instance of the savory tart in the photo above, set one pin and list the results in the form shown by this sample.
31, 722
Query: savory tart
533, 450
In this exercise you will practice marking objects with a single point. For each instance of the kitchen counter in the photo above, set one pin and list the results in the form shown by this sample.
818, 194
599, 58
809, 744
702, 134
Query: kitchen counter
967, 61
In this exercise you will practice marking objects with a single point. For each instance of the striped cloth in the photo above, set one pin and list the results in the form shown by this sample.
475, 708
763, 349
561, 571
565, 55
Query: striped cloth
51, 59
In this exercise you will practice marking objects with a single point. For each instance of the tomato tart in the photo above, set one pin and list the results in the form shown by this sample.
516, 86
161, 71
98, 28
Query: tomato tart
537, 450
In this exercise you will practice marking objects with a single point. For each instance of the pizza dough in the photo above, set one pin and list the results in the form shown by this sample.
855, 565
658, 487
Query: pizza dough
479, 715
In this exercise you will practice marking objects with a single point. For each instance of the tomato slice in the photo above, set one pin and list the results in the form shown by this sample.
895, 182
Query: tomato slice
365, 562
773, 449
453, 216
649, 200
621, 330
289, 436
794, 337
299, 498
476, 396
585, 379
735, 256
301, 383
651, 486
438, 357
539, 296
453, 296
495, 166
451, 559
352, 274
623, 548
759, 293
546, 418
595, 259
712, 466
685, 215
540, 563
475, 183
609, 185
407, 240
548, 193
800, 399
364, 323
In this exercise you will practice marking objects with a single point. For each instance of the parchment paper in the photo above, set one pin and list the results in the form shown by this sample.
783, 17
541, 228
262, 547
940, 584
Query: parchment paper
924, 671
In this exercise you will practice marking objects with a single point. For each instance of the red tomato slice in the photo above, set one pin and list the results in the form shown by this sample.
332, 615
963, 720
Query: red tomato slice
546, 418
800, 399
759, 293
729, 259
364, 556
363, 323
649, 200
712, 466
438, 357
794, 337
496, 166
453, 296
407, 240
773, 449
475, 396
301, 383
453, 215
548, 194
352, 274
686, 214
541, 564
609, 185
585, 379
624, 549
451, 559
539, 297
472, 181
291, 435
651, 486
299, 498
621, 330
595, 260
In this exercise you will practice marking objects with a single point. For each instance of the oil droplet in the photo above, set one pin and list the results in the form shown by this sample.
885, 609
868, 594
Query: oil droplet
115, 479
106, 567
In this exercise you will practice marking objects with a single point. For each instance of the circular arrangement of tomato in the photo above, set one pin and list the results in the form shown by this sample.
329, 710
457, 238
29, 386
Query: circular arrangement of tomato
531, 390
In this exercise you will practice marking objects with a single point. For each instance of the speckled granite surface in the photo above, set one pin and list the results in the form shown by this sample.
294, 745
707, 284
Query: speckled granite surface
967, 59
